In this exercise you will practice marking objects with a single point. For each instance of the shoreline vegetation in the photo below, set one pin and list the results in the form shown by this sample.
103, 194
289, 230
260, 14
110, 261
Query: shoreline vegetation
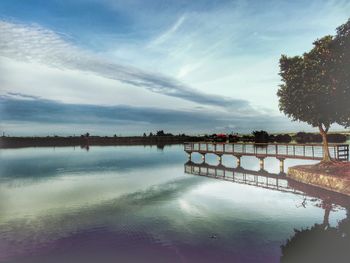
161, 139
84, 141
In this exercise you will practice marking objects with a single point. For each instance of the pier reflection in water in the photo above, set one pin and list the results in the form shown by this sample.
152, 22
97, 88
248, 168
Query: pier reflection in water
319, 243
260, 178
264, 179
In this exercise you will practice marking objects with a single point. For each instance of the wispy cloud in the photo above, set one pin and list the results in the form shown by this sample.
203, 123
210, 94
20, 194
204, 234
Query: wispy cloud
15, 110
167, 34
18, 95
35, 43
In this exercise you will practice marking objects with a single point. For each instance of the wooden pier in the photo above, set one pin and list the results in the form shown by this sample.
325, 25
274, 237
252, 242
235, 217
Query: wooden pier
338, 152
281, 151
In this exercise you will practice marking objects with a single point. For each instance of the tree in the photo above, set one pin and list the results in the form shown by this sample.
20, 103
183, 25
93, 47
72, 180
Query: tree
160, 133
316, 85
261, 136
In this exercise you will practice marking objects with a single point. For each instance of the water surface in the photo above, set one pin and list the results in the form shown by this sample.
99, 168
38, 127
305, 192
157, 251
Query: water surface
136, 204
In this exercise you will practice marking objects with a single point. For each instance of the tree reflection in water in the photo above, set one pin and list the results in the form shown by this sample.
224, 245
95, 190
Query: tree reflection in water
320, 243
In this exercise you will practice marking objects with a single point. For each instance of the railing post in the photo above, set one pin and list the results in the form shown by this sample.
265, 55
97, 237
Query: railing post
261, 163
220, 159
238, 161
281, 165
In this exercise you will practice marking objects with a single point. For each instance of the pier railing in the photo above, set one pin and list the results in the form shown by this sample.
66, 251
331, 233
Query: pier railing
279, 150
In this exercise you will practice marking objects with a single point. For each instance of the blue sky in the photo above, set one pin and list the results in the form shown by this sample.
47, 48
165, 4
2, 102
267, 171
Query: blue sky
131, 66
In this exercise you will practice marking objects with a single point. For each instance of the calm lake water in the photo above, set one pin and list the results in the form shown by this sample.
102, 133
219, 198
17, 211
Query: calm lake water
136, 204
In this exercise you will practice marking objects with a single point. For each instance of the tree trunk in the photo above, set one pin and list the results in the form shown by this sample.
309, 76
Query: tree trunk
326, 155
327, 210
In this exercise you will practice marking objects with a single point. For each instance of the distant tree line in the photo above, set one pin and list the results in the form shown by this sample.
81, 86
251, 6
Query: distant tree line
264, 137
304, 137
162, 133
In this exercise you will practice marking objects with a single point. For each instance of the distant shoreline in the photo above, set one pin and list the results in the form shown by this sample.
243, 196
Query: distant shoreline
22, 142
160, 140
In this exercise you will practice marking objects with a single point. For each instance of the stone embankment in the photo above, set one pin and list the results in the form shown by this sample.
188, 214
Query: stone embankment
334, 177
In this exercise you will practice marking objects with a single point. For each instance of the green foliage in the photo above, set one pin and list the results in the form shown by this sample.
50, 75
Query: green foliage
286, 138
305, 137
261, 136
316, 85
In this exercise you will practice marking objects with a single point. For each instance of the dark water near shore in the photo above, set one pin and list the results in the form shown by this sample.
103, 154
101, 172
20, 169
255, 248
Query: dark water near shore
136, 204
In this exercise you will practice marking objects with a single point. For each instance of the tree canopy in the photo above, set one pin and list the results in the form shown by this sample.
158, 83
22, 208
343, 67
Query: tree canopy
316, 85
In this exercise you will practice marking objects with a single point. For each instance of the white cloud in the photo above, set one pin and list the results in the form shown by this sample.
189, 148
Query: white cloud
74, 86
36, 44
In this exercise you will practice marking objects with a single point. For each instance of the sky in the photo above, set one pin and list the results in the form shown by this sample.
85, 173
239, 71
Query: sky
131, 66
